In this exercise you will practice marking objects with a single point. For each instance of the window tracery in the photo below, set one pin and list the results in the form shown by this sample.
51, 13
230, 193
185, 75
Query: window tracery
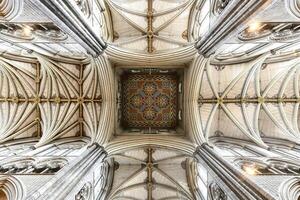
32, 32
32, 167
276, 32
9, 9
202, 15
236, 150
269, 167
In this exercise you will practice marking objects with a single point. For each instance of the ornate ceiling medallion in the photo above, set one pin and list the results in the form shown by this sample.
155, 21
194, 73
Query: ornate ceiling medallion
149, 100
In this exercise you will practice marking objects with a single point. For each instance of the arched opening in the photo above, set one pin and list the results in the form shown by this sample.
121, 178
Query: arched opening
10, 9
3, 195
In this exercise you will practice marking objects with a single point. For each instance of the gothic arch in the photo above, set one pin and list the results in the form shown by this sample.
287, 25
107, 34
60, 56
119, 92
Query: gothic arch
9, 9
290, 189
12, 187
294, 7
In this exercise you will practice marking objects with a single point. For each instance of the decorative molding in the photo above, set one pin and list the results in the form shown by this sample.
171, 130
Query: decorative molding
85, 192
177, 56
290, 189
273, 32
123, 143
220, 5
237, 12
85, 7
73, 23
216, 192
10, 9
64, 182
240, 185
12, 187
294, 7
30, 32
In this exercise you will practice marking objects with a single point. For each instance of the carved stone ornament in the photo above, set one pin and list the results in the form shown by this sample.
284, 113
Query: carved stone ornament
216, 193
84, 6
84, 193
220, 6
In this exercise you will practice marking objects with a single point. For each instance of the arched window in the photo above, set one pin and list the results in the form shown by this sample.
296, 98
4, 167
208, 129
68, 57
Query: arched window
3, 195
285, 167
16, 167
270, 167
256, 168
231, 149
201, 15
49, 166
31, 167
9, 9
202, 181
11, 188
285, 150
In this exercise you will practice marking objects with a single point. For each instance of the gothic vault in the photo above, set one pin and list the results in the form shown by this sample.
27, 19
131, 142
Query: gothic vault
149, 99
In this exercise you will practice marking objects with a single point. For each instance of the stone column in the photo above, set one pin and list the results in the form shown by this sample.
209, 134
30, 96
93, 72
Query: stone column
73, 177
236, 185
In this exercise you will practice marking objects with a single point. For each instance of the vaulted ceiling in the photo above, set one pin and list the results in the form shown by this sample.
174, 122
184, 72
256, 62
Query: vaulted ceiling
150, 26
151, 173
58, 77
250, 101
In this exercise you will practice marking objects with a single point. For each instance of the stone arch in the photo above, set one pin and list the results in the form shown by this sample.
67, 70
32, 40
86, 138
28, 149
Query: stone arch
294, 7
9, 9
11, 188
3, 195
290, 189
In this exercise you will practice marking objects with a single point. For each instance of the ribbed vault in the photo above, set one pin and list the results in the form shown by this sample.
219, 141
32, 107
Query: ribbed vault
151, 173
250, 100
50, 99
